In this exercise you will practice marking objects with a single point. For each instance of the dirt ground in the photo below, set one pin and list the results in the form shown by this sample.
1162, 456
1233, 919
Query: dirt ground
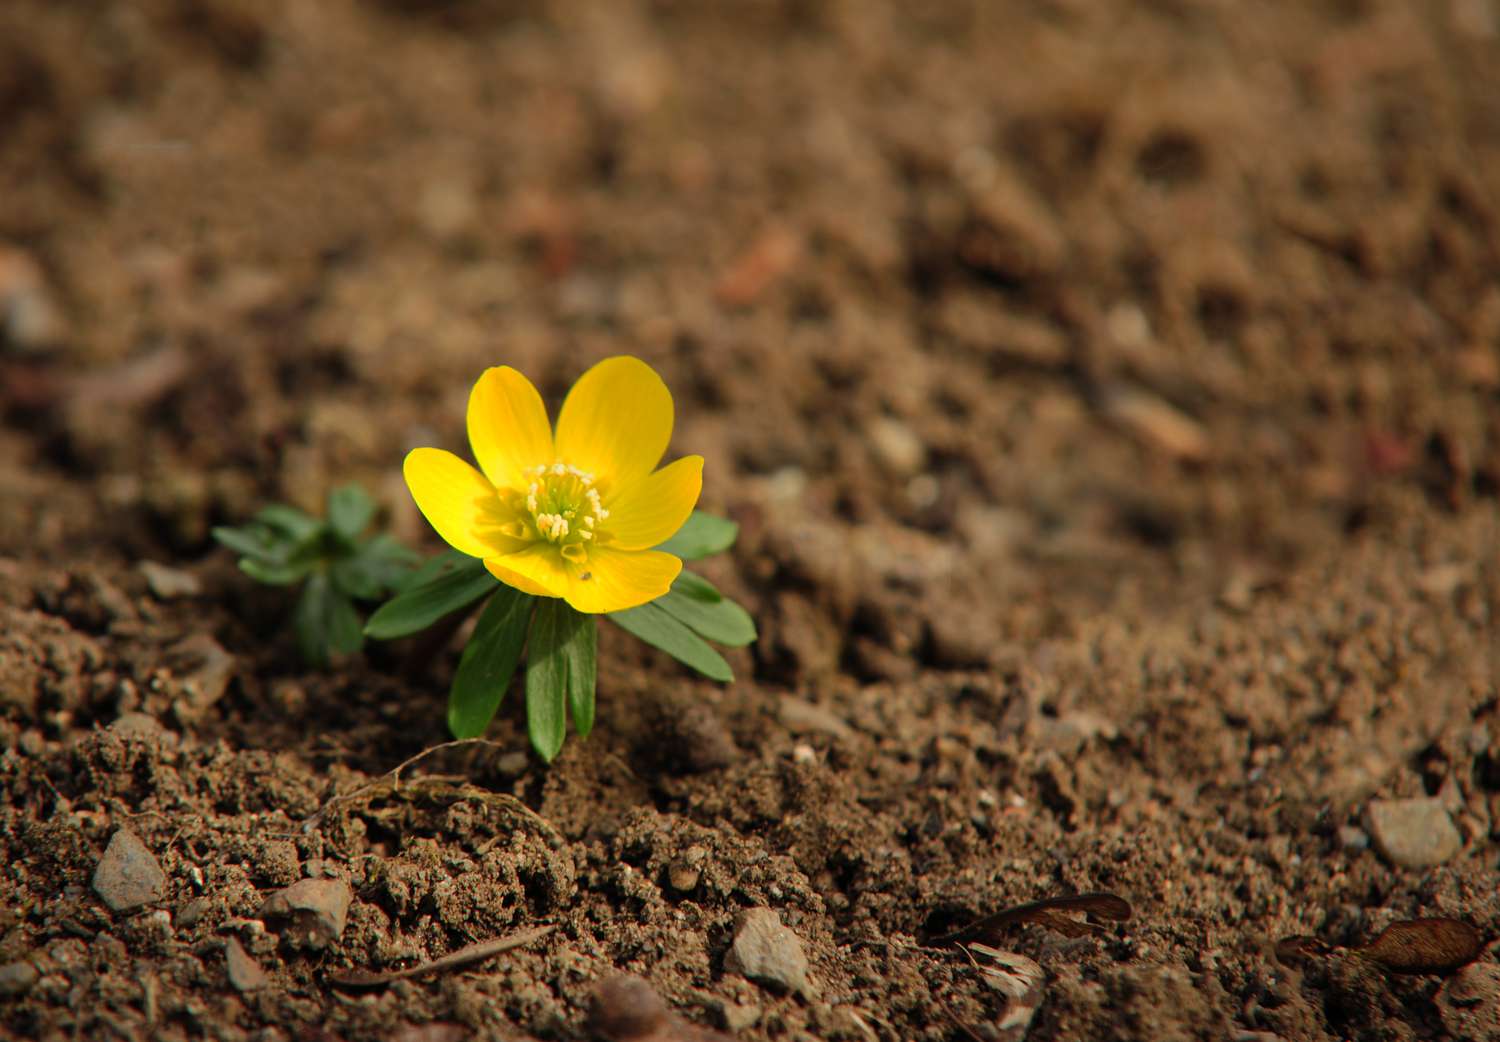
1109, 394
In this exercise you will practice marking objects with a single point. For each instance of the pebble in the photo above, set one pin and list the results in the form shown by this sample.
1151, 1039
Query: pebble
168, 584
128, 875
16, 978
768, 952
244, 972
314, 911
800, 716
1413, 833
1353, 839
626, 1007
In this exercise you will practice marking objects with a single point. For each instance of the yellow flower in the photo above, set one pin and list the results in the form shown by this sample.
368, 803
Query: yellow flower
571, 515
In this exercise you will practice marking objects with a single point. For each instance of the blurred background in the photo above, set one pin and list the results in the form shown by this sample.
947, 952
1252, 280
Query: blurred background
1172, 282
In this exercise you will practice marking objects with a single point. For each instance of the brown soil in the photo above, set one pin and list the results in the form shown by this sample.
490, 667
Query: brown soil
1109, 395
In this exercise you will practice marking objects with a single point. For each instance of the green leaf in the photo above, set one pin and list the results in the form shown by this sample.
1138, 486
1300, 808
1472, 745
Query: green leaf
255, 540
488, 662
445, 584
355, 577
701, 536
326, 622
652, 624
695, 602
377, 565
560, 671
275, 573
583, 667
290, 521
350, 509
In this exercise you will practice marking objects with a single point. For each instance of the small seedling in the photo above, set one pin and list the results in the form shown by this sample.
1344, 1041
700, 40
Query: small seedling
334, 562
554, 528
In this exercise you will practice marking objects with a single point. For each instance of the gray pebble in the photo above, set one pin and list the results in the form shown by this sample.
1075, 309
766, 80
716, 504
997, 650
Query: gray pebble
169, 583
313, 911
128, 875
1353, 839
244, 972
768, 952
16, 978
1413, 833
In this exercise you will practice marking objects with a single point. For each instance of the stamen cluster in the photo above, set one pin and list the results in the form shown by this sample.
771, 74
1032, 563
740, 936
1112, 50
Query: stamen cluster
565, 507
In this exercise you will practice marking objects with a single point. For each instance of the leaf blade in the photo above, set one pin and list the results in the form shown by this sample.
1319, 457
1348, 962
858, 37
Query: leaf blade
694, 602
488, 662
652, 624
701, 535
350, 509
444, 585
546, 677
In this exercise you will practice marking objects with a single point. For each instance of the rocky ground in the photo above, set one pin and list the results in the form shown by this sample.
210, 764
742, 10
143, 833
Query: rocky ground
1109, 395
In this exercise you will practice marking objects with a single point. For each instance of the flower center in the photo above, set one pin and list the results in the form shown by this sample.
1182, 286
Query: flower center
564, 507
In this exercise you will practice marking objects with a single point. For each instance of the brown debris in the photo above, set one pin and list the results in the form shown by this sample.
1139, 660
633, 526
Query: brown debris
477, 952
1054, 913
1437, 945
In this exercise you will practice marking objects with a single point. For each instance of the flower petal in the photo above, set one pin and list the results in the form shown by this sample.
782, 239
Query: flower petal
521, 569
508, 428
458, 502
616, 422
618, 579
650, 511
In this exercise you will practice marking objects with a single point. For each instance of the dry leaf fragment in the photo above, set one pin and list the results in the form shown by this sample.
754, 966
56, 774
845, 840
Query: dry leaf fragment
473, 953
1437, 945
1055, 913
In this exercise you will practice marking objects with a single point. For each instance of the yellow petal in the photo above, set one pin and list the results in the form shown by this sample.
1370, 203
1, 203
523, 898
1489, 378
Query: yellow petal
651, 510
508, 428
457, 501
614, 580
509, 571
616, 422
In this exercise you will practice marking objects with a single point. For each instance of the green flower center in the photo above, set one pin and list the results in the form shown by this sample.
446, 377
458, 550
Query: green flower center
564, 508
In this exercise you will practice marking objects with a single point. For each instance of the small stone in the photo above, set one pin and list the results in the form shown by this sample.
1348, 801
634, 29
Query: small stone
193, 912
683, 876
1413, 833
896, 445
626, 1007
768, 952
128, 875
1353, 839
16, 978
142, 727
800, 716
205, 668
168, 584
804, 754
512, 764
244, 972
737, 1017
314, 911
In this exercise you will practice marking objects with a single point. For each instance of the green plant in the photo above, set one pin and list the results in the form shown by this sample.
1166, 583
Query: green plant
335, 563
555, 527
